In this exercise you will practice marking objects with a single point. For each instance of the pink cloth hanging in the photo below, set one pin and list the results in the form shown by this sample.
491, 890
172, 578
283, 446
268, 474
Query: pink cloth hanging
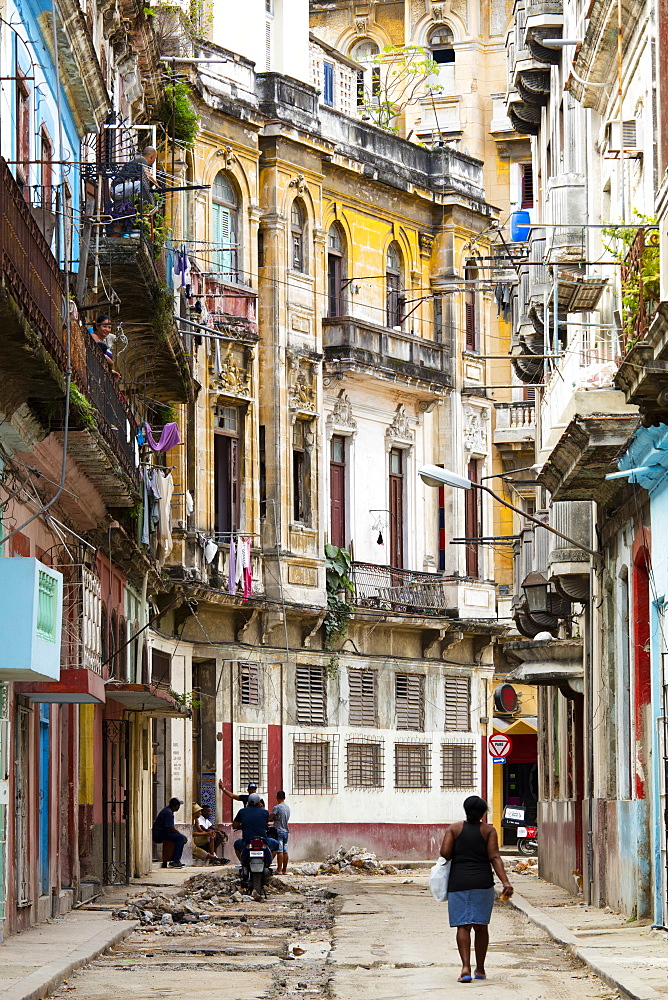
169, 438
248, 572
231, 570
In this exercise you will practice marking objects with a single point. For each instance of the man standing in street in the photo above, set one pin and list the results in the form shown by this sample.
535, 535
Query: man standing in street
280, 817
165, 829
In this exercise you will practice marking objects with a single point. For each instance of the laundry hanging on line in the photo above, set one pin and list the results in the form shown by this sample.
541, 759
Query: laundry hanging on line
169, 438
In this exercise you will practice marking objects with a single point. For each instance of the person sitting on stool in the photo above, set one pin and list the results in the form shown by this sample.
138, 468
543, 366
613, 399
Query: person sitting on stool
164, 829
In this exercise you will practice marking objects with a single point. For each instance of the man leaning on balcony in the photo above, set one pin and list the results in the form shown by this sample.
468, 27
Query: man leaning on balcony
134, 180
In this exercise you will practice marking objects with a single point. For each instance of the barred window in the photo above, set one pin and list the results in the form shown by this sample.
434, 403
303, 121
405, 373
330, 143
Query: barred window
362, 705
249, 681
250, 762
409, 697
312, 767
457, 765
364, 764
311, 695
458, 703
412, 765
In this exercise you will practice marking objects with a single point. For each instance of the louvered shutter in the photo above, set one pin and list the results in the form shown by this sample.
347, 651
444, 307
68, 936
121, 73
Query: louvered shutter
362, 698
409, 697
310, 690
250, 763
249, 679
458, 703
457, 765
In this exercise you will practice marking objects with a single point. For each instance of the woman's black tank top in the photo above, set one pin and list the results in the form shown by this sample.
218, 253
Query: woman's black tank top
471, 868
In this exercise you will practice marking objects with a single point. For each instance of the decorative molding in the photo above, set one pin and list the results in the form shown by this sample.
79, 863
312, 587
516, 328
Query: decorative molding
228, 155
302, 373
234, 378
475, 432
299, 183
437, 11
426, 243
361, 25
341, 416
400, 428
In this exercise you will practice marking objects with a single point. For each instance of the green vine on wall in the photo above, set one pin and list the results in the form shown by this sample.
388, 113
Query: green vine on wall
338, 563
83, 406
178, 119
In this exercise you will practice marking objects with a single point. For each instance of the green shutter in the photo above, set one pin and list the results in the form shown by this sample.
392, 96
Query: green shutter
46, 607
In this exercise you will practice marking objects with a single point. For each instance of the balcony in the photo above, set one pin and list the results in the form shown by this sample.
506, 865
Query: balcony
555, 662
544, 19
232, 306
595, 59
187, 562
515, 426
106, 445
32, 346
565, 209
568, 566
408, 592
81, 681
642, 372
354, 345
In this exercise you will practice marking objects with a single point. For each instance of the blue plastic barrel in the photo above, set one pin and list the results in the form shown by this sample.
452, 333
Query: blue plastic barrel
520, 224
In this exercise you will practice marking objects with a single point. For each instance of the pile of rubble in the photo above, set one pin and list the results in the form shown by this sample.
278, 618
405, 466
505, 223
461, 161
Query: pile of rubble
355, 861
526, 866
196, 900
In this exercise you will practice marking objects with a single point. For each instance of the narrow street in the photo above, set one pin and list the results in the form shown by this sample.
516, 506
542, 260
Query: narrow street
373, 938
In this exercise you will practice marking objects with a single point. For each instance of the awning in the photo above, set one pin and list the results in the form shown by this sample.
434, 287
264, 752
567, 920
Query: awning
579, 293
527, 725
75, 687
146, 698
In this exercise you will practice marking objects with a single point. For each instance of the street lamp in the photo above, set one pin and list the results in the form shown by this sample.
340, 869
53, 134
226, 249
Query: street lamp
536, 589
433, 475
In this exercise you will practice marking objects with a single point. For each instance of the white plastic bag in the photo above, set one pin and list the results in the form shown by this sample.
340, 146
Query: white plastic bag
438, 880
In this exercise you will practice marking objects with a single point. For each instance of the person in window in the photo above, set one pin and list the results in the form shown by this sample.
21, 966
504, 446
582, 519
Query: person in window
251, 788
473, 848
253, 821
164, 828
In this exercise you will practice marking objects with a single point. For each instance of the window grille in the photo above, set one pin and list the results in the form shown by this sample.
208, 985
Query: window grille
409, 697
315, 764
252, 756
362, 698
311, 696
458, 704
412, 765
364, 763
249, 682
457, 765
161, 667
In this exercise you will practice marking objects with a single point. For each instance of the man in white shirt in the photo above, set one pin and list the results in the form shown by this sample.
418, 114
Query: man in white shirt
280, 818
204, 823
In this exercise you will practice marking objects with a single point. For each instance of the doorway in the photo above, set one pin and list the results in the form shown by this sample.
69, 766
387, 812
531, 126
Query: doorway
44, 772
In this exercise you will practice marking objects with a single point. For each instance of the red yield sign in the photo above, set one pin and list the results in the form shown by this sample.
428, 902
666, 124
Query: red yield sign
500, 746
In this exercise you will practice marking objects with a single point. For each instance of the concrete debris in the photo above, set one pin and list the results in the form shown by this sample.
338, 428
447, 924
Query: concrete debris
355, 861
526, 866
198, 899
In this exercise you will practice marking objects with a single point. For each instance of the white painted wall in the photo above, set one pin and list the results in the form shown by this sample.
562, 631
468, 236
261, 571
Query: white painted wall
276, 42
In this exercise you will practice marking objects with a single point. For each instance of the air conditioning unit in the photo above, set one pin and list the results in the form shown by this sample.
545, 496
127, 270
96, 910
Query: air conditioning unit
631, 134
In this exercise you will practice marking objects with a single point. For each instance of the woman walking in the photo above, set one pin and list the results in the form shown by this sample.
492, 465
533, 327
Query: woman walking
473, 848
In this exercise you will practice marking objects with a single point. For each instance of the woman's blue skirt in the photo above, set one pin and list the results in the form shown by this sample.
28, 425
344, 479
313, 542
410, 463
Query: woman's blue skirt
472, 906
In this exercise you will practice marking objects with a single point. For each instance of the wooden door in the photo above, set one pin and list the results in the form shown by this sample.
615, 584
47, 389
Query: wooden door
337, 491
396, 508
472, 522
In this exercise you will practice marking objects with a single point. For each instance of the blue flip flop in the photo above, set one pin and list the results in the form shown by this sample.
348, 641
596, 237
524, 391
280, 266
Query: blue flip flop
478, 976
465, 979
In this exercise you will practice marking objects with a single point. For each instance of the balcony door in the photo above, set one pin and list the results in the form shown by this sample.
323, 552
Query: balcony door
397, 508
226, 459
337, 490
472, 523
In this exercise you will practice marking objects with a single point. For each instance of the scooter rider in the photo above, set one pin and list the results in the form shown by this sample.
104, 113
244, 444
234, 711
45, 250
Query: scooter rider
253, 820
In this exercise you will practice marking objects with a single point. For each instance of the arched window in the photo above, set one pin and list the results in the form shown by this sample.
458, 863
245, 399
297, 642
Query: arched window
394, 298
441, 42
335, 271
225, 229
368, 79
297, 237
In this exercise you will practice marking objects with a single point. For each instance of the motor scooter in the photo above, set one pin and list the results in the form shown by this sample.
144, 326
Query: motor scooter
255, 865
527, 836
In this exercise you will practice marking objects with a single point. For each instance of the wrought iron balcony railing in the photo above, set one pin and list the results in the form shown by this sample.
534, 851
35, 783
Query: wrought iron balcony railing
399, 590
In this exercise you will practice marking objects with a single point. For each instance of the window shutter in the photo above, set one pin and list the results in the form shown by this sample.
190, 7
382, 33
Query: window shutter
250, 763
362, 698
249, 681
310, 689
527, 186
409, 697
364, 767
411, 765
458, 703
268, 32
311, 770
